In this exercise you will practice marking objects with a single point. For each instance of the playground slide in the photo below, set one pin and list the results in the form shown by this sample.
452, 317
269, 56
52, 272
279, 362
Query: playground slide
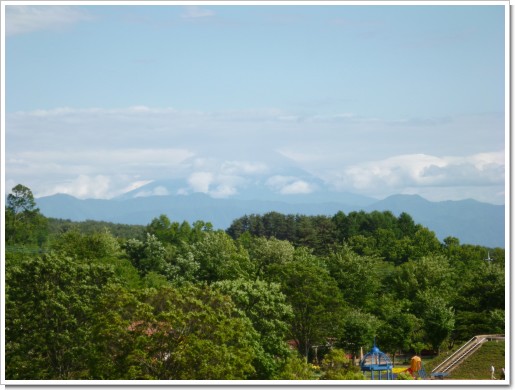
465, 351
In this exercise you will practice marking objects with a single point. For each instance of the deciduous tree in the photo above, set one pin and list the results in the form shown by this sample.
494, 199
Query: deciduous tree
264, 304
24, 224
315, 298
50, 301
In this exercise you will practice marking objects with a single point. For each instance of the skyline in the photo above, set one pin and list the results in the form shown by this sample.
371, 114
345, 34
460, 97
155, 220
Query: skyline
373, 100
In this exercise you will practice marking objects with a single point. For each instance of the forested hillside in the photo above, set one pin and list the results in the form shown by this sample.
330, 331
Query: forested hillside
471, 222
274, 297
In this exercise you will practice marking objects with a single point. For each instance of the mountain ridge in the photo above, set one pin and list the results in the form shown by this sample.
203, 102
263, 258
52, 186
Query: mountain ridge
472, 222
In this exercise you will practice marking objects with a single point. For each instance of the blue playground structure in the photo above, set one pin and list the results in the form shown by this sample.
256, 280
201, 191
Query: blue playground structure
376, 361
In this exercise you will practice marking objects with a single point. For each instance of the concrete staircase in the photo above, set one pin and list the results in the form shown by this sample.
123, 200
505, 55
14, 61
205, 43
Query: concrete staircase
466, 350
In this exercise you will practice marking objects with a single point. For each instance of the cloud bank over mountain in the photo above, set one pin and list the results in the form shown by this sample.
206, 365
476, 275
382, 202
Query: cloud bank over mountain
101, 153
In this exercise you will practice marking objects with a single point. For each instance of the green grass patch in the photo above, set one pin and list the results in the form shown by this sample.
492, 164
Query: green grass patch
478, 365
431, 363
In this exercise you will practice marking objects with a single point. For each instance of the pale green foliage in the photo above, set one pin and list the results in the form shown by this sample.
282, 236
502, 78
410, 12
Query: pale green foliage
336, 366
357, 276
154, 280
296, 368
426, 243
266, 307
113, 341
148, 255
191, 333
21, 200
220, 259
265, 252
172, 333
418, 346
174, 233
184, 268
358, 329
419, 275
98, 245
49, 314
399, 326
314, 296
163, 228
497, 321
404, 376
23, 222
438, 317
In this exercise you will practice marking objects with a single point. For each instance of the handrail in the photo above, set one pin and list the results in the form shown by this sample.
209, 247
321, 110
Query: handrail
464, 355
455, 353
466, 350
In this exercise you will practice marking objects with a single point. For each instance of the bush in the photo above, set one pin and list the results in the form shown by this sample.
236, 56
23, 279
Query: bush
296, 368
336, 366
406, 376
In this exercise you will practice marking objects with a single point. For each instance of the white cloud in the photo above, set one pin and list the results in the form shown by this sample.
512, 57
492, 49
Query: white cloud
223, 191
243, 167
247, 135
223, 153
195, 12
213, 134
278, 181
396, 174
120, 112
157, 191
108, 173
86, 187
100, 161
135, 185
213, 183
288, 185
21, 19
200, 181
297, 187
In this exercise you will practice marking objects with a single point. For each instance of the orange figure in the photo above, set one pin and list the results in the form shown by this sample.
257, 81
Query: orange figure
416, 363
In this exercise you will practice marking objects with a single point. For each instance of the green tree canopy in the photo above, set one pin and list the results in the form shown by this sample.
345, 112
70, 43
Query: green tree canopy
357, 276
358, 330
148, 256
265, 252
190, 333
265, 305
24, 224
315, 298
96, 245
219, 258
50, 303
437, 315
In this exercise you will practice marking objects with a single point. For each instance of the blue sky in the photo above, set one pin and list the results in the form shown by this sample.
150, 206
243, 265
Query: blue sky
368, 99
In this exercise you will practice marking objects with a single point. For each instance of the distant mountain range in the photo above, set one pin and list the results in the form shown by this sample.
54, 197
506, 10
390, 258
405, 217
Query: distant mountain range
472, 222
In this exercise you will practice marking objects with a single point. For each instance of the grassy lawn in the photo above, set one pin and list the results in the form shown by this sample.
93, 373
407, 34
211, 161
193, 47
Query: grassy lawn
478, 365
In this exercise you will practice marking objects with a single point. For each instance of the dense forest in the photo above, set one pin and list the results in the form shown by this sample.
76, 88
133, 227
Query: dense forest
273, 297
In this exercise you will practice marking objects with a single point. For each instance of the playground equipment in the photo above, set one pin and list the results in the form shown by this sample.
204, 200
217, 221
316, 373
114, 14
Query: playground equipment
416, 368
377, 361
463, 353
